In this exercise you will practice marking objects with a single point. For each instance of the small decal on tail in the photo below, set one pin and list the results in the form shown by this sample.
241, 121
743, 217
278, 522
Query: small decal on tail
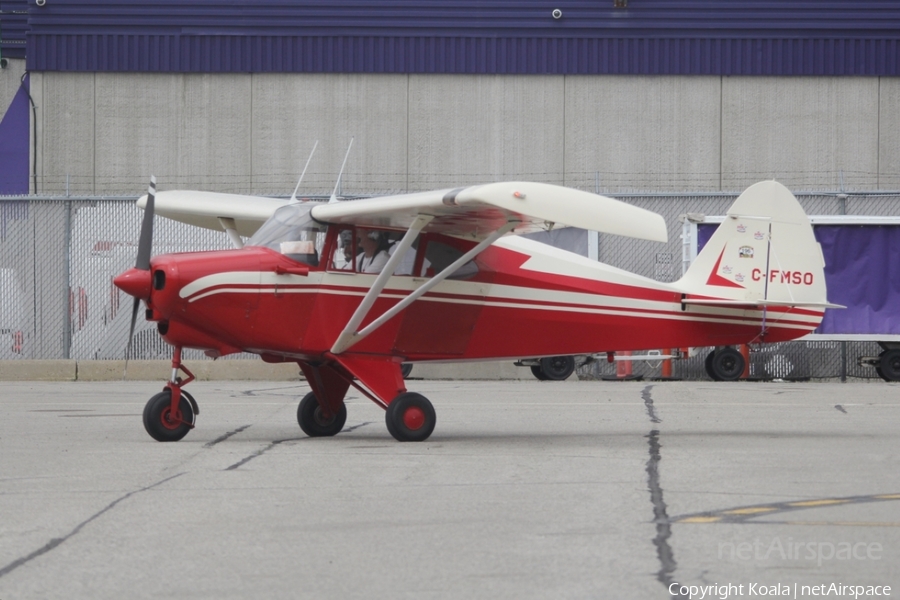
716, 279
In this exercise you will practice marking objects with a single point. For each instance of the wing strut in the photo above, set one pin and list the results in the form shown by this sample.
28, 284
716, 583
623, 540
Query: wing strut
349, 336
230, 228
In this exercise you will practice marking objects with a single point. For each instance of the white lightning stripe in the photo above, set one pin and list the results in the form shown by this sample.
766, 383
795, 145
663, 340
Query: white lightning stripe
270, 282
665, 311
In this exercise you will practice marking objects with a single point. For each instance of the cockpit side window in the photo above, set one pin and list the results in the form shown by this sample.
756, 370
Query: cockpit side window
441, 255
292, 232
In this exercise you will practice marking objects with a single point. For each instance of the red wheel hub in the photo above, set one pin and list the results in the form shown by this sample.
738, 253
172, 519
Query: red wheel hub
414, 418
170, 421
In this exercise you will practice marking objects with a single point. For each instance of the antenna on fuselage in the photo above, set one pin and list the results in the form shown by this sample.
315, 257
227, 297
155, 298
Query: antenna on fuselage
294, 195
337, 184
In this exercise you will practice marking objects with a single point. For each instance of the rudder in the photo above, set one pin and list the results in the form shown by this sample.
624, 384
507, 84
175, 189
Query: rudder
763, 253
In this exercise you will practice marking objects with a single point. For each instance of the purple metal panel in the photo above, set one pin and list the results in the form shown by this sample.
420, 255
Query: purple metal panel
14, 144
370, 54
13, 25
739, 37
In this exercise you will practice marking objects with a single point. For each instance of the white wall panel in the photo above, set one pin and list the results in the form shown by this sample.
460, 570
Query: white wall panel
638, 133
803, 131
889, 134
253, 133
189, 130
291, 112
66, 133
466, 129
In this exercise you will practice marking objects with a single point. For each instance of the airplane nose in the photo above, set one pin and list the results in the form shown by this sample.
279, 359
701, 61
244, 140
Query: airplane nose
135, 282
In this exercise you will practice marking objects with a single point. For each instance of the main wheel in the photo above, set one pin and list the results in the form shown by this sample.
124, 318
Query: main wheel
161, 423
558, 368
410, 417
707, 364
538, 372
890, 365
727, 364
405, 369
313, 421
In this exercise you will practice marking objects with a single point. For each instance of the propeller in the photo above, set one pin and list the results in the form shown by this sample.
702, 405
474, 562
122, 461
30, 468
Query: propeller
137, 281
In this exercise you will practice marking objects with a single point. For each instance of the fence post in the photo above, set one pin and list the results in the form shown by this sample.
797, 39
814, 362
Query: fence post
68, 303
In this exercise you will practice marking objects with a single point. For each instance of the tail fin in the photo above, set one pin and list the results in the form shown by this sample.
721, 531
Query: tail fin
764, 253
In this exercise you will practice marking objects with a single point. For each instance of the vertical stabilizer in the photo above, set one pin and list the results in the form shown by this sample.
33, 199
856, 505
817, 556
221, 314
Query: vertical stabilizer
763, 253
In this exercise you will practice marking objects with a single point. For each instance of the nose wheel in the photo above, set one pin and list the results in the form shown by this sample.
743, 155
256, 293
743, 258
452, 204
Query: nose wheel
165, 425
410, 417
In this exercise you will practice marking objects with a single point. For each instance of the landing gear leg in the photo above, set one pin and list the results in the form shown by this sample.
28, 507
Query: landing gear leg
170, 414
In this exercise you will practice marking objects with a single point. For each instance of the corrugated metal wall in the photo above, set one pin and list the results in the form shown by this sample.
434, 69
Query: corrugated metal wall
13, 25
683, 37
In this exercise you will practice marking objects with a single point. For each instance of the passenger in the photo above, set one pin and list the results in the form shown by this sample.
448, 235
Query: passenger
408, 261
374, 251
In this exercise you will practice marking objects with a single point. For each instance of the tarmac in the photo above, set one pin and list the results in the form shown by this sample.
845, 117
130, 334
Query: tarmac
526, 489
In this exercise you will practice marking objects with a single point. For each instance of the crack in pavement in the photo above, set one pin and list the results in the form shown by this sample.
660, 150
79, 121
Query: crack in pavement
57, 541
660, 512
355, 427
648, 404
225, 436
260, 452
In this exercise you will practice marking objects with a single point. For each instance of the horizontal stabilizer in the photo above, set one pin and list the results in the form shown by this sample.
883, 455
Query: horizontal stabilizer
761, 303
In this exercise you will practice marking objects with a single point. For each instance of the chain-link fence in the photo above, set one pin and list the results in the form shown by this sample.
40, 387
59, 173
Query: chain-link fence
58, 257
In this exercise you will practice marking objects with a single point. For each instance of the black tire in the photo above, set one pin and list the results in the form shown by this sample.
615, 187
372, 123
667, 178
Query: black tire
405, 369
890, 365
707, 364
558, 368
159, 421
538, 372
727, 364
410, 417
881, 373
313, 422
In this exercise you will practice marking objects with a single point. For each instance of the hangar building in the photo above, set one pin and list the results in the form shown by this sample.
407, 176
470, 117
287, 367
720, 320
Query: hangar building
613, 95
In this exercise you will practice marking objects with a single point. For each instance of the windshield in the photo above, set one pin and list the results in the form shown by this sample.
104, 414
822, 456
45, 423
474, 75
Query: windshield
292, 231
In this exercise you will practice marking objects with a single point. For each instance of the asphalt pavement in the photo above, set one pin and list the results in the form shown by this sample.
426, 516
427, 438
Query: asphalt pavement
526, 489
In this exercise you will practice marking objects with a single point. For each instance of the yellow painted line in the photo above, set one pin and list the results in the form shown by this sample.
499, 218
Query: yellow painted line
889, 497
818, 502
700, 520
839, 523
749, 511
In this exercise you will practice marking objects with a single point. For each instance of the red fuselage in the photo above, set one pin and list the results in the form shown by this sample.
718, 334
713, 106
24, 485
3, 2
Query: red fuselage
515, 306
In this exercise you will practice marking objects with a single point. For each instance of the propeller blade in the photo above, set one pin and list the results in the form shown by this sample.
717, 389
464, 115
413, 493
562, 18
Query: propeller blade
134, 312
145, 244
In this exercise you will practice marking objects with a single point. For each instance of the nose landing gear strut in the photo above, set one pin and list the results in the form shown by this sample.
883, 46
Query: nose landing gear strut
170, 414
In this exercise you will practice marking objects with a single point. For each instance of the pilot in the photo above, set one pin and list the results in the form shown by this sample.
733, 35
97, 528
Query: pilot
374, 254
343, 254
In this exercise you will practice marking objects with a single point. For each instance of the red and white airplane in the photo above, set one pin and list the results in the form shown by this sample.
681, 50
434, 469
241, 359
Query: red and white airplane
457, 285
